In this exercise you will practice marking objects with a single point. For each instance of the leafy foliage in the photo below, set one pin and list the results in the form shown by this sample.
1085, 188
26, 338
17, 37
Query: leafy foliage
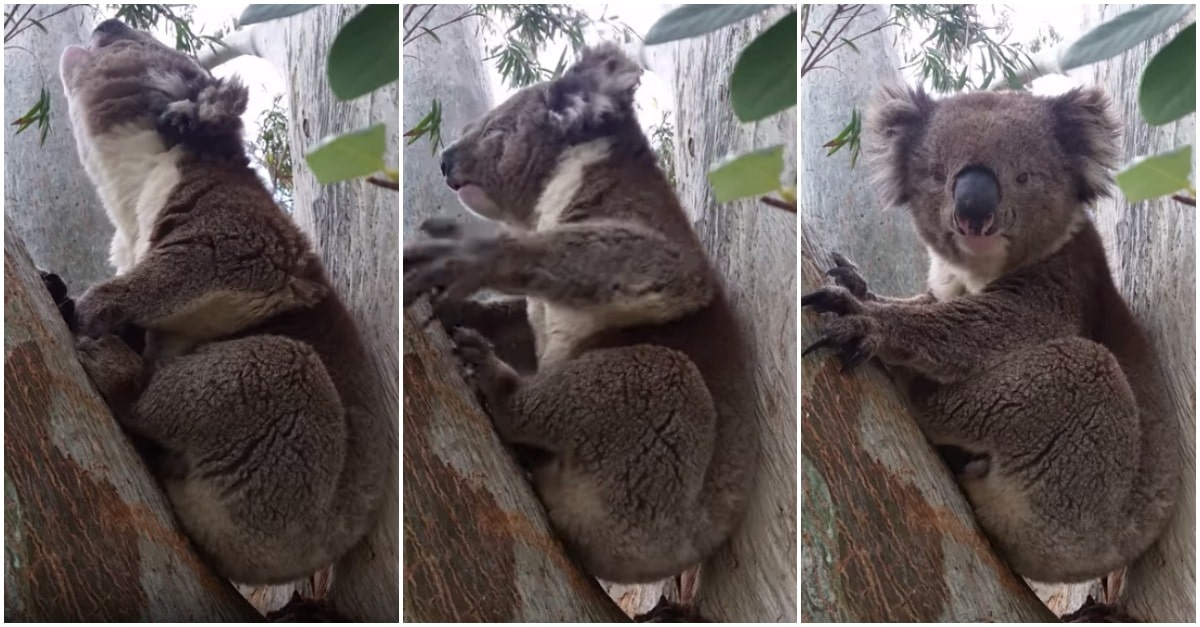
38, 115
272, 150
662, 138
693, 20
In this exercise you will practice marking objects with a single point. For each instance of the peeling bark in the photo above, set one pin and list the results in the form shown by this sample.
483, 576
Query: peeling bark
477, 544
88, 535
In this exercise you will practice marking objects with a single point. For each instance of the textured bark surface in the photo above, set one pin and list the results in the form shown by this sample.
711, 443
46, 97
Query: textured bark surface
753, 247
48, 200
88, 535
477, 546
1152, 251
355, 227
886, 534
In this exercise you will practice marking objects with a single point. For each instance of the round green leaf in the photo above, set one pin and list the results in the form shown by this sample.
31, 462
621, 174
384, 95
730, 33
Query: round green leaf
691, 20
1168, 89
350, 156
365, 54
267, 12
764, 78
1156, 176
1122, 33
751, 174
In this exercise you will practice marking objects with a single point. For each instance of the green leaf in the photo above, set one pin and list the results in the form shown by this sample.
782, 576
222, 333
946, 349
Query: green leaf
764, 78
365, 54
267, 12
691, 20
1122, 33
1151, 177
1168, 89
751, 174
349, 156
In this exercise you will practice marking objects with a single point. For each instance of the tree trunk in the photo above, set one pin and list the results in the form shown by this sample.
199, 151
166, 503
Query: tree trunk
1152, 251
449, 69
48, 199
88, 535
887, 535
753, 247
355, 227
476, 541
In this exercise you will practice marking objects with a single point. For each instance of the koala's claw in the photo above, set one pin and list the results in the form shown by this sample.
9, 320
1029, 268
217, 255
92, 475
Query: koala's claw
832, 299
442, 228
471, 347
58, 293
855, 337
847, 275
109, 362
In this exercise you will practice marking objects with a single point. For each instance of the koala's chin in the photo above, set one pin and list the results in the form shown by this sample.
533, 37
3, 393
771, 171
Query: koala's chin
475, 200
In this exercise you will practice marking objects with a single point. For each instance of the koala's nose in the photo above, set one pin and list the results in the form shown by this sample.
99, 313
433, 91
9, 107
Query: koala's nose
976, 197
447, 161
111, 27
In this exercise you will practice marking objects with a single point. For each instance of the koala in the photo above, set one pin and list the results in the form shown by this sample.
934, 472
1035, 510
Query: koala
1023, 362
613, 353
253, 384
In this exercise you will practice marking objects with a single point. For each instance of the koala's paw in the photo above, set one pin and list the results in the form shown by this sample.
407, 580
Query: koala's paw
444, 269
98, 315
856, 338
58, 293
492, 379
111, 365
832, 299
845, 274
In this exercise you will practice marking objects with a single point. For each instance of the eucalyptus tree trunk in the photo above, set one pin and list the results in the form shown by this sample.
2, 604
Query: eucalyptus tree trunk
753, 247
48, 199
879, 506
88, 535
1151, 248
355, 228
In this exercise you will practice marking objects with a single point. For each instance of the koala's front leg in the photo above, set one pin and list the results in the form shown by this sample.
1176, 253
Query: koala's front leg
504, 323
847, 275
635, 270
946, 341
202, 287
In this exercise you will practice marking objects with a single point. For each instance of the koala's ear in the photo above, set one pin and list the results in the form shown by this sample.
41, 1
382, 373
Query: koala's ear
601, 83
895, 121
208, 119
1089, 133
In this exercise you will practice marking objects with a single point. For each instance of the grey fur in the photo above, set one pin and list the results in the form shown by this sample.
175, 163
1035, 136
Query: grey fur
1024, 356
639, 394
254, 380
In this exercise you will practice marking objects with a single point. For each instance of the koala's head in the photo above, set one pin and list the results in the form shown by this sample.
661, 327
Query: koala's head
125, 81
503, 160
991, 173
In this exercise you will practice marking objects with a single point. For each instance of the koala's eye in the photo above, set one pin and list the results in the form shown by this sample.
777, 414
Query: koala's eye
1023, 178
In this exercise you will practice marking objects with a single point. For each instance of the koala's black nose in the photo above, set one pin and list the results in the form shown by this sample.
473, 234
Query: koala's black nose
111, 27
447, 161
976, 197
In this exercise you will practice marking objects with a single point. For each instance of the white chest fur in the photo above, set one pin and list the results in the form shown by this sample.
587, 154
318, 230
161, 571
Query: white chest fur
134, 174
948, 280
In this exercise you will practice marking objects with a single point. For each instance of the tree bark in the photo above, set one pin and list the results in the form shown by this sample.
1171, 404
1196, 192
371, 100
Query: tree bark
355, 228
1152, 251
753, 247
88, 535
886, 535
48, 199
476, 541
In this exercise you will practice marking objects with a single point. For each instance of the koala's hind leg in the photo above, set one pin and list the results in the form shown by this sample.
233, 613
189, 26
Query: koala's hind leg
631, 433
259, 431
1058, 425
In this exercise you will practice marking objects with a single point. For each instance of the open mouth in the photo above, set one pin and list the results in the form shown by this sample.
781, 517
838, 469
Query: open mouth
977, 237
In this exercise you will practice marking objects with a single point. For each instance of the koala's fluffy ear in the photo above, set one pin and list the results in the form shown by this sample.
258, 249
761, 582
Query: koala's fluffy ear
208, 120
600, 84
895, 121
1089, 134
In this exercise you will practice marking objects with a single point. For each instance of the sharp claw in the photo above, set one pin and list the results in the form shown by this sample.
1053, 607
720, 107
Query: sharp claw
841, 261
820, 342
852, 358
811, 298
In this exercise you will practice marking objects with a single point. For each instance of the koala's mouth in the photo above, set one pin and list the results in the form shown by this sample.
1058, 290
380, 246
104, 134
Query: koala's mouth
977, 237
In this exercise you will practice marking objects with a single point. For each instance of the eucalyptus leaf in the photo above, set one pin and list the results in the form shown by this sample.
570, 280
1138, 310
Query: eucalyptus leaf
266, 12
764, 77
751, 174
1168, 89
1159, 175
350, 156
691, 20
1122, 33
365, 54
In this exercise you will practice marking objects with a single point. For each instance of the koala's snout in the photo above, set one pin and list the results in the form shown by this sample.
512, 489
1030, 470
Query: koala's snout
976, 197
448, 167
